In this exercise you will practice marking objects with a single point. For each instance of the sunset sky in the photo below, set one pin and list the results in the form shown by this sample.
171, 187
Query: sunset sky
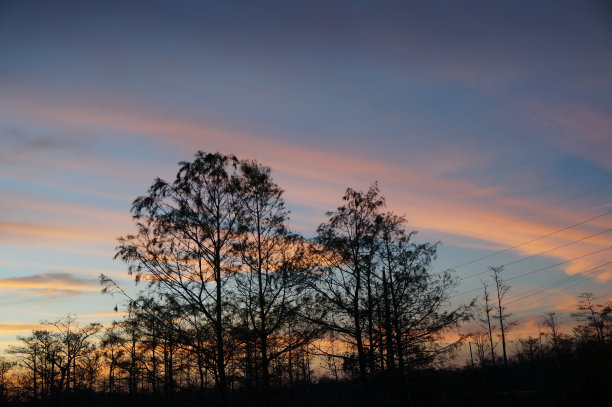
487, 124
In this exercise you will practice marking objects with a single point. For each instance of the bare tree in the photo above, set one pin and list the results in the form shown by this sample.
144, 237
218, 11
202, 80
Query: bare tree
501, 289
597, 318
53, 356
487, 309
551, 322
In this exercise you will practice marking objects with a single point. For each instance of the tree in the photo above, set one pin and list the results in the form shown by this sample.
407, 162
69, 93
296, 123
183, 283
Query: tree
375, 290
53, 356
501, 289
75, 345
185, 244
270, 286
418, 299
5, 384
551, 322
597, 318
487, 308
346, 249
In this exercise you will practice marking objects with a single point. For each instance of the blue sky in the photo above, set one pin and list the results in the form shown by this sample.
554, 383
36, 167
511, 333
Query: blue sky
486, 125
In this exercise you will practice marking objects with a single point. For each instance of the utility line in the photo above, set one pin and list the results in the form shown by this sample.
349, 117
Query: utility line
540, 253
558, 264
534, 317
570, 279
538, 211
538, 270
532, 240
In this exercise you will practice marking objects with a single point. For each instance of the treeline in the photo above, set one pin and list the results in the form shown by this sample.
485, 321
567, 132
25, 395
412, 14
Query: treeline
142, 359
238, 309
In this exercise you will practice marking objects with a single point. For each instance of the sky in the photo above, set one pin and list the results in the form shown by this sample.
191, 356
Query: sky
487, 124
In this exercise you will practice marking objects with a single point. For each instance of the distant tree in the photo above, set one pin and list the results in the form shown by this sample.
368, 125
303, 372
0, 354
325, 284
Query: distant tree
112, 348
5, 383
53, 356
529, 350
28, 355
551, 322
596, 318
76, 345
501, 289
481, 340
487, 309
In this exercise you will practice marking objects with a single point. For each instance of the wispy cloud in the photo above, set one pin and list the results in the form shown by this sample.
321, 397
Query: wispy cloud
434, 200
578, 129
11, 328
54, 285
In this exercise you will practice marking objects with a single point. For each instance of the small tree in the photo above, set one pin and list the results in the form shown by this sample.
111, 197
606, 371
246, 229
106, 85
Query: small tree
501, 289
596, 318
487, 309
53, 356
551, 323
5, 383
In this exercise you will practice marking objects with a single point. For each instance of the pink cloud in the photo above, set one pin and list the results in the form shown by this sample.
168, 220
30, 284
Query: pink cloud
61, 284
432, 200
581, 131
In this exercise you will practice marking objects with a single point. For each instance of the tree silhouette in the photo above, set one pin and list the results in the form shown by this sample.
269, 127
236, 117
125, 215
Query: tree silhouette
375, 291
501, 289
597, 318
487, 309
185, 244
53, 356
270, 286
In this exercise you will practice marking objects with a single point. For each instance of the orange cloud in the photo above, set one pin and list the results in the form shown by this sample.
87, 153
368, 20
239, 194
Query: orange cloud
69, 222
317, 178
12, 328
61, 284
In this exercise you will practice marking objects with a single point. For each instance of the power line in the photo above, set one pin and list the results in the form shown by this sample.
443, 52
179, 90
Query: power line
558, 264
532, 240
559, 247
540, 253
539, 211
570, 279
538, 270
534, 317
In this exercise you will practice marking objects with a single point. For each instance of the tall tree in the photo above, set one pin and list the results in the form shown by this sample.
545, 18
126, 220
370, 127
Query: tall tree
487, 309
270, 286
501, 289
375, 289
346, 250
551, 322
185, 243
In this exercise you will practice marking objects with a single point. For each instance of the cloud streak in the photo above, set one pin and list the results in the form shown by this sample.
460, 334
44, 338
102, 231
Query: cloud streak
433, 200
55, 285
